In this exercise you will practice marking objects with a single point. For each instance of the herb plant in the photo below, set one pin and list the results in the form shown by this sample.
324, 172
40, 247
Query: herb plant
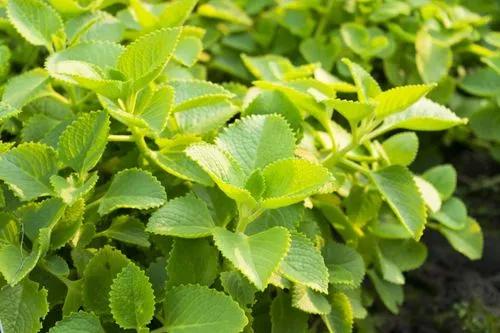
135, 194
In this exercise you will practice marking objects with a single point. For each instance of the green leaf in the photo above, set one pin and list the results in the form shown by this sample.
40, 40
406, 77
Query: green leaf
345, 265
309, 301
251, 141
398, 188
7, 111
192, 93
366, 85
341, 318
224, 10
176, 12
129, 230
144, 59
131, 298
468, 241
433, 59
285, 318
71, 189
391, 294
406, 254
401, 148
98, 277
27, 170
37, 22
25, 88
429, 194
304, 264
483, 82
453, 214
292, 180
82, 143
192, 261
288, 217
256, 256
400, 98
443, 178
197, 309
132, 188
186, 217
353, 111
22, 307
78, 322
155, 108
424, 115
238, 287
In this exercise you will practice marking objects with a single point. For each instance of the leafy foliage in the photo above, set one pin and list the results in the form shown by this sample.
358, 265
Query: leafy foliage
136, 194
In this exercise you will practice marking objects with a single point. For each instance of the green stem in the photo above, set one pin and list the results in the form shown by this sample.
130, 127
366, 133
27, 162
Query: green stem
354, 166
120, 138
54, 94
324, 18
245, 220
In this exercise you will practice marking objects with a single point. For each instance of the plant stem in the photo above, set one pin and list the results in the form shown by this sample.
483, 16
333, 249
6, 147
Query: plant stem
324, 19
120, 138
245, 220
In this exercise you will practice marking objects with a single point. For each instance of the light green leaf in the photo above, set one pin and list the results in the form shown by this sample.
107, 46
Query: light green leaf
453, 214
144, 59
197, 309
341, 318
82, 143
225, 10
78, 322
188, 50
251, 141
401, 148
256, 256
443, 178
400, 98
285, 318
406, 254
7, 111
132, 188
176, 12
433, 59
398, 188
391, 294
155, 108
483, 82
71, 189
192, 93
27, 170
365, 83
390, 271
37, 22
468, 241
22, 307
98, 277
425, 115
127, 229
186, 217
25, 88
304, 264
309, 301
205, 118
131, 298
292, 180
345, 265
288, 217
429, 194
192, 261
353, 111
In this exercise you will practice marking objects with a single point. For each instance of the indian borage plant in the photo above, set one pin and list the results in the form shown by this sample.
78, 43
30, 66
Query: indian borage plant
127, 203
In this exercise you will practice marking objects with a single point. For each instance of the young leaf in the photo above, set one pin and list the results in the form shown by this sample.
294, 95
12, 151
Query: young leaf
192, 261
186, 217
82, 143
7, 111
292, 180
197, 309
144, 59
304, 264
429, 194
252, 141
256, 256
399, 98
401, 148
397, 186
25, 88
366, 85
27, 170
238, 286
127, 229
353, 111
453, 214
131, 298
78, 322
340, 319
433, 59
443, 178
285, 318
391, 294
132, 188
22, 307
309, 301
37, 22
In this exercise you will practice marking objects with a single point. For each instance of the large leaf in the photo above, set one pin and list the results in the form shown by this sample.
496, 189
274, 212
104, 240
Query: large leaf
340, 319
398, 188
83, 142
144, 59
132, 188
27, 170
252, 141
22, 307
398, 99
78, 322
468, 241
186, 217
345, 265
24, 88
37, 22
131, 298
256, 256
197, 309
304, 264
